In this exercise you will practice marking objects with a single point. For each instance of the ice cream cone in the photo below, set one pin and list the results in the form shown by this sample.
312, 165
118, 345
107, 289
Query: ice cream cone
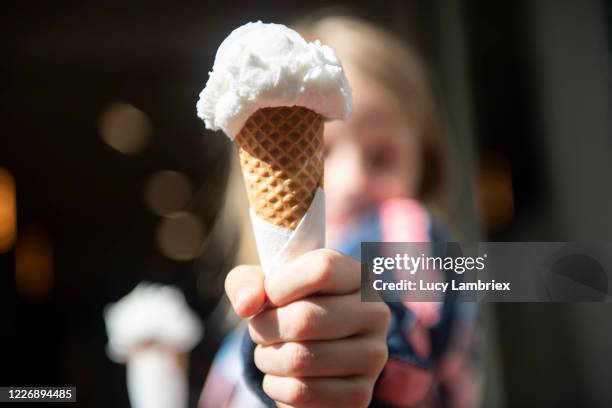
270, 91
281, 156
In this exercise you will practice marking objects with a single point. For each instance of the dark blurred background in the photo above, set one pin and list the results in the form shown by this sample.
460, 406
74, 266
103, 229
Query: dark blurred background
107, 177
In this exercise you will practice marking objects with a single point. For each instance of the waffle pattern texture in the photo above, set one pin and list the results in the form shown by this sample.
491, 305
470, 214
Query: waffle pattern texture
281, 156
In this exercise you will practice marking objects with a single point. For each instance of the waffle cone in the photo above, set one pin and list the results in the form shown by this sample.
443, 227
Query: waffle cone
281, 156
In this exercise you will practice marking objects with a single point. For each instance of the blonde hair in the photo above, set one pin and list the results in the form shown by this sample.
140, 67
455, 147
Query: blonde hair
389, 61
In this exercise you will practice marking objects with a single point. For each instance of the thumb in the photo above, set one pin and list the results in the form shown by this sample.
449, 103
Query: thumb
244, 286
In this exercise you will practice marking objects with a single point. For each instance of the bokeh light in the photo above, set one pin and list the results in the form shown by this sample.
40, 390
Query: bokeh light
495, 195
34, 264
167, 192
8, 211
124, 127
180, 236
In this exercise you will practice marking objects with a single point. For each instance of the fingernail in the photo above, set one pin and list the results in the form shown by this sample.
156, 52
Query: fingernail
243, 296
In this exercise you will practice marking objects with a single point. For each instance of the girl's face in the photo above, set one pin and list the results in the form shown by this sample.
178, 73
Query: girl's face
373, 156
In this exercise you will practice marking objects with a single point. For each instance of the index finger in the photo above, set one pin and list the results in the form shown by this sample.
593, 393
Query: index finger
322, 271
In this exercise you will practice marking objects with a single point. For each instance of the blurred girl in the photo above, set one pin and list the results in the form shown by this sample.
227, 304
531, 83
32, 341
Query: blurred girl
385, 175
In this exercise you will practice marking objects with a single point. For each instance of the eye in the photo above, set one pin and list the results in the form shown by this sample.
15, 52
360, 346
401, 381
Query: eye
326, 150
380, 158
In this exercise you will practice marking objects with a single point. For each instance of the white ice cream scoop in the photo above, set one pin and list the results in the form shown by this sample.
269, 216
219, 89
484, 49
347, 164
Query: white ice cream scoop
152, 329
269, 65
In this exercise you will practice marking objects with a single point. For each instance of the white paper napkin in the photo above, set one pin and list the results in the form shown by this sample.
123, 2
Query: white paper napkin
277, 245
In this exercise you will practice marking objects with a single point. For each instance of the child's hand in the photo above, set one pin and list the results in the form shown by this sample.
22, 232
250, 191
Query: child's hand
317, 343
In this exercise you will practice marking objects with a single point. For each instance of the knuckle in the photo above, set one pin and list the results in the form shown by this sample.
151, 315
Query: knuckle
386, 315
374, 356
380, 355
360, 396
324, 262
299, 359
382, 315
302, 321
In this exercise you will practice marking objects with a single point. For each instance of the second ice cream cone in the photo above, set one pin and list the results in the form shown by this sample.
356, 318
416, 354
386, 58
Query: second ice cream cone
281, 156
